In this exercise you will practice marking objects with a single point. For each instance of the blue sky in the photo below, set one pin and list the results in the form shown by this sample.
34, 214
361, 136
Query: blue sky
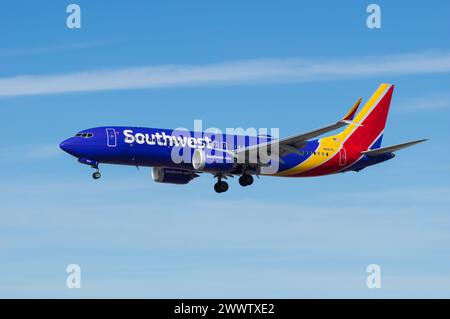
279, 64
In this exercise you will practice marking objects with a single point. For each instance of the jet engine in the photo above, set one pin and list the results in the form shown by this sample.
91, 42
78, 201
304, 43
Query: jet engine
172, 175
218, 162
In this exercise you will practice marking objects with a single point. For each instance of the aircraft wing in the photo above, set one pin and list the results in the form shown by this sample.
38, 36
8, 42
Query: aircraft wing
393, 148
293, 143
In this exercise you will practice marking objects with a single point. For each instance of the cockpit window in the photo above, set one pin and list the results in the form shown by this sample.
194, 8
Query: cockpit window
84, 135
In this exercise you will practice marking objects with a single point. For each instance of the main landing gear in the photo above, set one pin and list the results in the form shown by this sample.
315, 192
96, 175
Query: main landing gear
246, 180
221, 186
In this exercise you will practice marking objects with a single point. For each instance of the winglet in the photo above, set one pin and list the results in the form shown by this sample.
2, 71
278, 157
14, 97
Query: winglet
351, 113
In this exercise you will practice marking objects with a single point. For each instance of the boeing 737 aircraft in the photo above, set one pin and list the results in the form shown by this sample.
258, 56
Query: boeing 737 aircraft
356, 147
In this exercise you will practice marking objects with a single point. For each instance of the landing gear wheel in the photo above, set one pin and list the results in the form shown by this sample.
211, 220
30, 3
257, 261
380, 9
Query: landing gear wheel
246, 180
221, 187
96, 175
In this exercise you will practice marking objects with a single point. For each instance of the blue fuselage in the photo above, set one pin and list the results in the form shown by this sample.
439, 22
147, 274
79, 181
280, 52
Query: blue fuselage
153, 147
139, 146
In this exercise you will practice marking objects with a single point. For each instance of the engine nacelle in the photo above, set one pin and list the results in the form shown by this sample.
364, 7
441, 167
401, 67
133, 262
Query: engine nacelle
171, 175
219, 162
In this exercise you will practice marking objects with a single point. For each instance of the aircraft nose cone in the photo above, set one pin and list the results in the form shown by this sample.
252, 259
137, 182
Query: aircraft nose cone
66, 145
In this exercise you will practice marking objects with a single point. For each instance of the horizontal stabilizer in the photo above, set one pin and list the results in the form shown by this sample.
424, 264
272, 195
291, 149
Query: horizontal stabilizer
390, 149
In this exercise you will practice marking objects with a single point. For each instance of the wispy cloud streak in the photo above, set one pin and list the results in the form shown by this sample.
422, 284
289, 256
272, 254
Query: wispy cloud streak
27, 152
425, 103
227, 73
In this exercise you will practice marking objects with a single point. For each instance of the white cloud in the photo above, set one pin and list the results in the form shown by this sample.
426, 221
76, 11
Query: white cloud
227, 73
424, 103
400, 195
29, 152
44, 151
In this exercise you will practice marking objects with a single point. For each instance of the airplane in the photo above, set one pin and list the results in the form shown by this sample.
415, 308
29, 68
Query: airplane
356, 147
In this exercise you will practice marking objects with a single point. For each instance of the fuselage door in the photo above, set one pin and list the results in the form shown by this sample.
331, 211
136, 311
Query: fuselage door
342, 156
111, 139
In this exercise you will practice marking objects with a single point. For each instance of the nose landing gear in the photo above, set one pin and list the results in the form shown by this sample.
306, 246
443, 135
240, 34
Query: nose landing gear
93, 164
96, 175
